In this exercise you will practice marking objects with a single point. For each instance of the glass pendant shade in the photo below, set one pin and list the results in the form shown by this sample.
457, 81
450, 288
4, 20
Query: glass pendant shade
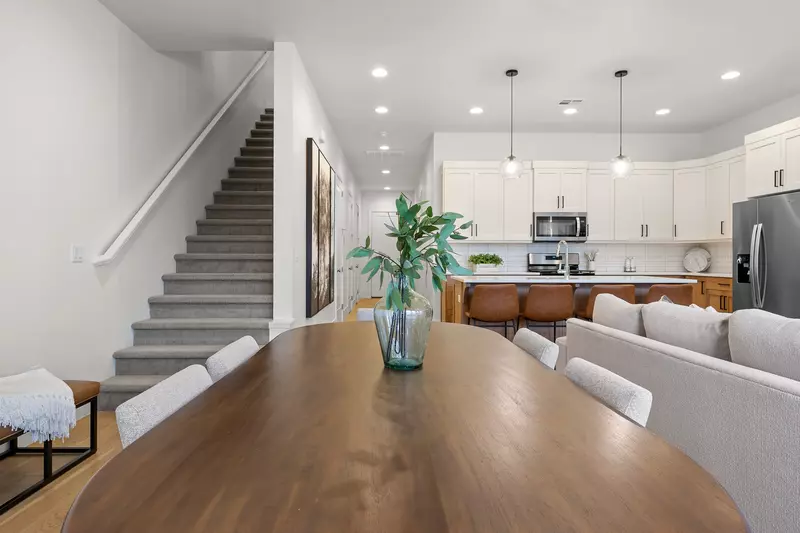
621, 167
511, 167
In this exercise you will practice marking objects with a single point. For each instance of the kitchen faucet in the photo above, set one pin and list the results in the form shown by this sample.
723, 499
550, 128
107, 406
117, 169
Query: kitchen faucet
565, 264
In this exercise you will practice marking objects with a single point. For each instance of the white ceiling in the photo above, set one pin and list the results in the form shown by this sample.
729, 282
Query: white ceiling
445, 56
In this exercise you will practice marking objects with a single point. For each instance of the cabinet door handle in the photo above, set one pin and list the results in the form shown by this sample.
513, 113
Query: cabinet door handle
563, 203
775, 179
781, 180
647, 230
642, 235
702, 287
675, 230
558, 202
722, 227
531, 230
476, 230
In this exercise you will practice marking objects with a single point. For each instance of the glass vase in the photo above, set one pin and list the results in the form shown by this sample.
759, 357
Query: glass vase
403, 334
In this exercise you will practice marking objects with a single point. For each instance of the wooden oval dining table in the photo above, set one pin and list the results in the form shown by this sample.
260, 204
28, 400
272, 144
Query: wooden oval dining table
312, 434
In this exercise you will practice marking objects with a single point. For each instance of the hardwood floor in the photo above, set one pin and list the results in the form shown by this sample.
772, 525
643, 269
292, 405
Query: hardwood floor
44, 512
364, 302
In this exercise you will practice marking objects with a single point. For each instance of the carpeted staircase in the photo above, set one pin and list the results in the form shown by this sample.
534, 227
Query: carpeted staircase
222, 288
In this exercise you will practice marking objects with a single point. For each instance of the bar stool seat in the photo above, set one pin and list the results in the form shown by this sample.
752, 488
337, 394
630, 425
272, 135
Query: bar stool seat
494, 305
624, 292
548, 303
678, 294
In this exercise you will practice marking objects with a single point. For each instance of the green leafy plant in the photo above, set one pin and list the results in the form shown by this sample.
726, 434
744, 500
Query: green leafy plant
486, 259
422, 241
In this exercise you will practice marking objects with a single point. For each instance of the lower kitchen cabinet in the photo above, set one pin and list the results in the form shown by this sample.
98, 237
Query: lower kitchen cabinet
714, 292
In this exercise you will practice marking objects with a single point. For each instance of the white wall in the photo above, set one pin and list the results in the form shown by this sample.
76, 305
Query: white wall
299, 114
92, 119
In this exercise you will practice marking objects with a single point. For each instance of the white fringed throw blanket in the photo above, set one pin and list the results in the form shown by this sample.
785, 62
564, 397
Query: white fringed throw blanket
37, 402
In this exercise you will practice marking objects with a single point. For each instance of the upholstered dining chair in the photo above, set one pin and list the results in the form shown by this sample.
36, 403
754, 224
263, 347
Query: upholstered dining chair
494, 306
365, 314
549, 304
623, 292
543, 350
142, 413
615, 391
227, 359
677, 294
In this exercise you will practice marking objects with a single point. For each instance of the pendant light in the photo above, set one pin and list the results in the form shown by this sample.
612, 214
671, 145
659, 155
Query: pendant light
621, 166
511, 167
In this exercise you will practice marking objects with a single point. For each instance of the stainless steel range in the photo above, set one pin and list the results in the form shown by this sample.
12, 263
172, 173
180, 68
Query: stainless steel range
550, 264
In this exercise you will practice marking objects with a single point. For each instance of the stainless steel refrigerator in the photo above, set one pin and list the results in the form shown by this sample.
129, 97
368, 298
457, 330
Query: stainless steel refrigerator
766, 254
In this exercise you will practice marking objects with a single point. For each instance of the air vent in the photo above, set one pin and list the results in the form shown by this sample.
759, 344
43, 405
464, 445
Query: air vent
573, 101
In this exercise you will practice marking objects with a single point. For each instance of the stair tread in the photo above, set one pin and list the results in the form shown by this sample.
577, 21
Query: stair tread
243, 193
225, 257
201, 276
247, 181
203, 323
229, 238
254, 158
235, 221
130, 383
174, 351
245, 207
198, 299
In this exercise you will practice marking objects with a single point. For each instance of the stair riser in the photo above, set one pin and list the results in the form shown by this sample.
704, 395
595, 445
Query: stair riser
239, 214
109, 401
267, 124
268, 117
261, 133
210, 266
217, 287
210, 310
221, 247
171, 337
154, 367
248, 185
259, 141
257, 151
245, 172
263, 198
251, 163
262, 229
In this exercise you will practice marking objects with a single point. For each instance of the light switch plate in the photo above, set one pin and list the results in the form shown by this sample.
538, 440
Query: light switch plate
76, 253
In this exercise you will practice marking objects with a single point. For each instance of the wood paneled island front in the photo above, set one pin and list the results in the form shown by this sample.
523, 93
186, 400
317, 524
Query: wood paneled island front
457, 293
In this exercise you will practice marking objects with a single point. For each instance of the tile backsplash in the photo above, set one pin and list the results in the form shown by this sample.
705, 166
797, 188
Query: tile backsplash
610, 257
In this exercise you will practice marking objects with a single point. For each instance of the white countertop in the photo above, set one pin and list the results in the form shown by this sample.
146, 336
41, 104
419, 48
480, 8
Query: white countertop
582, 280
616, 274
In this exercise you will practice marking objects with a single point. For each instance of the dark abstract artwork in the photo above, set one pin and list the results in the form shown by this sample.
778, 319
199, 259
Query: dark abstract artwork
319, 230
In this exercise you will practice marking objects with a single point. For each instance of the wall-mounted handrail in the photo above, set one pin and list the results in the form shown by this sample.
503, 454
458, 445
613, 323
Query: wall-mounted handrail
135, 222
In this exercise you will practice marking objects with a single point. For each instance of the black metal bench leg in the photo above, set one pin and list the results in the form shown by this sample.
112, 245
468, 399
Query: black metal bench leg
48, 459
93, 425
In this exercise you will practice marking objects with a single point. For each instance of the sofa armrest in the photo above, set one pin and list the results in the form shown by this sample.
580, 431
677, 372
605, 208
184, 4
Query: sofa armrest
561, 363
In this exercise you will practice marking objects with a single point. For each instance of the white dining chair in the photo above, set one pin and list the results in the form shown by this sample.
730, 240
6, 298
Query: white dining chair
145, 411
227, 359
365, 314
618, 393
543, 350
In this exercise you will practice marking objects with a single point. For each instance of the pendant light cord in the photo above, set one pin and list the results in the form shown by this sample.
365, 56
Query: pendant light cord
620, 115
512, 116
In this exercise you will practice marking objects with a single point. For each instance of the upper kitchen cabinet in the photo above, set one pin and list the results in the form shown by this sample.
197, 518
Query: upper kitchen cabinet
725, 185
518, 208
689, 206
600, 205
559, 187
643, 206
488, 211
773, 159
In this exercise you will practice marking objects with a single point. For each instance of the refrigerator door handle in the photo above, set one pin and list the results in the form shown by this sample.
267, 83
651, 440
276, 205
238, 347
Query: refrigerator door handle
754, 292
762, 282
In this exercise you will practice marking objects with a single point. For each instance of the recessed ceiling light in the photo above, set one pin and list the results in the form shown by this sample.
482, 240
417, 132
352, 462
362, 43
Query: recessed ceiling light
383, 147
386, 171
379, 72
570, 111
662, 112
387, 188
381, 110
476, 111
732, 75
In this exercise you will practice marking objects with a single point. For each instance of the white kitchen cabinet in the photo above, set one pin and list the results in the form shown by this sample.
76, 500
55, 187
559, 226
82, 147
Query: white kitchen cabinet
718, 201
738, 180
488, 221
628, 221
518, 208
559, 190
689, 205
459, 194
790, 179
643, 206
600, 205
763, 166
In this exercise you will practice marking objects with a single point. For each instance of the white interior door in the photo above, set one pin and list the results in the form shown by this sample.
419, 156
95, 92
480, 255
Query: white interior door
341, 241
518, 208
627, 210
763, 161
546, 190
600, 206
689, 207
382, 243
717, 200
573, 190
791, 160
488, 205
657, 205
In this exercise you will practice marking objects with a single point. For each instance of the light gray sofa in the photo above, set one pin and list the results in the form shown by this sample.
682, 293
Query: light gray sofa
739, 423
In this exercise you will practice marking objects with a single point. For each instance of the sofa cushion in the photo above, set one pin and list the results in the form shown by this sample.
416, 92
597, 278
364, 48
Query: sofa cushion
767, 342
693, 329
616, 313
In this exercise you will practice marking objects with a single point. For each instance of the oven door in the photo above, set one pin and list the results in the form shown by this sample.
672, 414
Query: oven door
554, 227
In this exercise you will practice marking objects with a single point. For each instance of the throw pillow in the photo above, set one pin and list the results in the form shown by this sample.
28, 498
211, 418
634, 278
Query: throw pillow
685, 327
766, 342
616, 313
666, 299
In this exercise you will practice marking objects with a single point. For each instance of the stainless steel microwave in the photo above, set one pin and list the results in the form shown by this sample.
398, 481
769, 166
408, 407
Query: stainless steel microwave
559, 226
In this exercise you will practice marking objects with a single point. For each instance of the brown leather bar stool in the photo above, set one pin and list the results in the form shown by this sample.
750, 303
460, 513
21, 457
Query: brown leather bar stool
624, 292
548, 303
494, 305
678, 294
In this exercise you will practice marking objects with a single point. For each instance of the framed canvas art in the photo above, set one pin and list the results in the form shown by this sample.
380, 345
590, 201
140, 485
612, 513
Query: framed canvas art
319, 230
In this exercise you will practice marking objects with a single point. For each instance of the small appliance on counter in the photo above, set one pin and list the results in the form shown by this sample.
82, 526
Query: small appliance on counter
550, 264
555, 227
630, 264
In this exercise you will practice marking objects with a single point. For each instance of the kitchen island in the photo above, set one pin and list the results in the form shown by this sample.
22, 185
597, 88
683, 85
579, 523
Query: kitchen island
458, 291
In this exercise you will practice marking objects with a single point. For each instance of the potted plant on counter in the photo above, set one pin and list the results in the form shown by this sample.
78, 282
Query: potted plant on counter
403, 317
485, 263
